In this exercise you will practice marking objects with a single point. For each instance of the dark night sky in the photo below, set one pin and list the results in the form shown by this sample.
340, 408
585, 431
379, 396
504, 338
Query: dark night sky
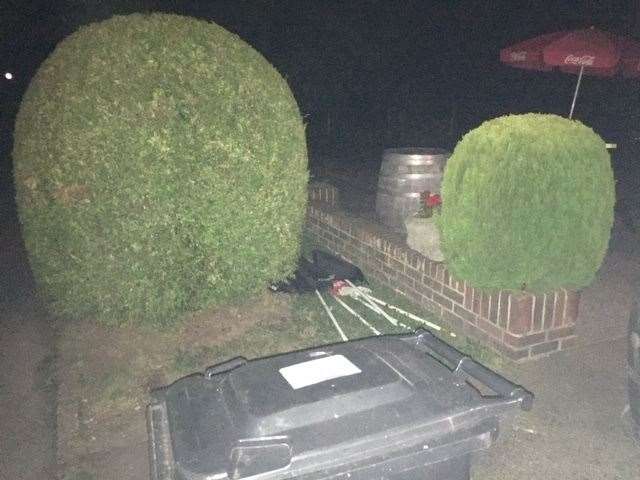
369, 74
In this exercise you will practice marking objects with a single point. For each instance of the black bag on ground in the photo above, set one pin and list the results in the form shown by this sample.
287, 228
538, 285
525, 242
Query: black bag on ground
304, 279
318, 274
330, 267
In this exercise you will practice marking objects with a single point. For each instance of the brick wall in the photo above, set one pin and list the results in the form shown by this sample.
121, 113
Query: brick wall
520, 326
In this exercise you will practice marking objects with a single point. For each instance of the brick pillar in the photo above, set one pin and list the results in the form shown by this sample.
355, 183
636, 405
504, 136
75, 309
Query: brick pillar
520, 313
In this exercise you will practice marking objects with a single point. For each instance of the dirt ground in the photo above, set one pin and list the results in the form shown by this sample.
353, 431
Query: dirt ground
104, 376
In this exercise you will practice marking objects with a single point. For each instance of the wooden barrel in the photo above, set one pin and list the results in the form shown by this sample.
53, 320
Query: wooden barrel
404, 174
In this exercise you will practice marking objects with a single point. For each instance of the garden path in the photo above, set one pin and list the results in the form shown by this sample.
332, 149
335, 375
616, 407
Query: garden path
27, 388
605, 304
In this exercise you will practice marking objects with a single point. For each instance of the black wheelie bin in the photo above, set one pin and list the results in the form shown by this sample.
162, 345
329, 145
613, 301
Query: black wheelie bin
389, 407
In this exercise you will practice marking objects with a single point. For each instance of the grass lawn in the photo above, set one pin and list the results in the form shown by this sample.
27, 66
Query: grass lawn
308, 325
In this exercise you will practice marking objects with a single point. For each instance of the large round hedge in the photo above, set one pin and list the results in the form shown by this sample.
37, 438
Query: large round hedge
161, 167
527, 203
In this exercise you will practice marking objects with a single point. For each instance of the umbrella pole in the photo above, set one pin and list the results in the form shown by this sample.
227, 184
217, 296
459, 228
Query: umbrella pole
575, 94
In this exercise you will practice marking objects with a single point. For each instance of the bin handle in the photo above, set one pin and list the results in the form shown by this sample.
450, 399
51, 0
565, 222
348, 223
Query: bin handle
466, 365
224, 367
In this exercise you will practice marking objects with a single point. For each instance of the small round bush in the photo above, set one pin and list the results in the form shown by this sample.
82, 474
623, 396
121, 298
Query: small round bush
527, 203
161, 168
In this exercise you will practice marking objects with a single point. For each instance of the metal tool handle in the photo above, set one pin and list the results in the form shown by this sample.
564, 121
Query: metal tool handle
466, 365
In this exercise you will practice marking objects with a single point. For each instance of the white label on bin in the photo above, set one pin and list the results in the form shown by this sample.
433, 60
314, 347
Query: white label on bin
319, 370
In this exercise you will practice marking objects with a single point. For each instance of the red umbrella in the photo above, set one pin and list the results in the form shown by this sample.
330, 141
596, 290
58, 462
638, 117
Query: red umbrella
589, 51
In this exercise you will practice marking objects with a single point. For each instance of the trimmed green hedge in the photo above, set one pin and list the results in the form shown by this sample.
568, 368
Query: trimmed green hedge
161, 167
527, 203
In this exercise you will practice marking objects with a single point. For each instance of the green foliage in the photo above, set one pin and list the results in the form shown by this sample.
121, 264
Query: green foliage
528, 202
160, 167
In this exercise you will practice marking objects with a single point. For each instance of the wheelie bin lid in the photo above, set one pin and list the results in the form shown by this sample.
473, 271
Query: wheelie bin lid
318, 412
